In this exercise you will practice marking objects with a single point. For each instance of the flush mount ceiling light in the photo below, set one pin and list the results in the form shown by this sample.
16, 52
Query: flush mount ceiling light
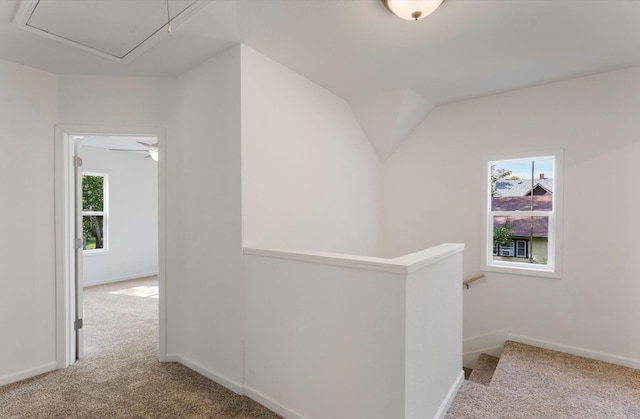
412, 9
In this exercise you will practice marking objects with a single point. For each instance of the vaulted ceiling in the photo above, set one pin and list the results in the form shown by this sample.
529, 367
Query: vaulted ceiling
391, 71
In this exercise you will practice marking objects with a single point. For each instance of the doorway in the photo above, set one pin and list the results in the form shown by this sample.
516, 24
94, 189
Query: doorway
105, 241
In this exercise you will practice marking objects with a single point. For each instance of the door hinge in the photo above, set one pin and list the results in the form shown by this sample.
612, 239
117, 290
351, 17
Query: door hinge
77, 324
77, 161
77, 243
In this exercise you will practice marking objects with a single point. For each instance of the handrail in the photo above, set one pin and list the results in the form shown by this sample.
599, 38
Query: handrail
472, 279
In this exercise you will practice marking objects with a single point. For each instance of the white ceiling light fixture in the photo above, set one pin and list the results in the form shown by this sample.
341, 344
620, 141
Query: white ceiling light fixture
412, 9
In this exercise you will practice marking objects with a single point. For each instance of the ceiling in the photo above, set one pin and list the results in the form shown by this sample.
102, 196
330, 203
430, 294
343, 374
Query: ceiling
358, 50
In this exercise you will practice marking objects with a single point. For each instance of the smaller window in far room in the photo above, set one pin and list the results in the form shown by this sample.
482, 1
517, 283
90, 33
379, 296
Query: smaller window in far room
94, 212
523, 199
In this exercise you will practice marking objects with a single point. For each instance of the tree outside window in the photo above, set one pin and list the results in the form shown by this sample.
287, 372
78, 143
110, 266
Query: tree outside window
94, 211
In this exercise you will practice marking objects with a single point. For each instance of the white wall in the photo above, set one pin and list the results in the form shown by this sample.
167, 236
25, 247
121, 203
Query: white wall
310, 178
204, 286
118, 101
28, 112
132, 218
312, 352
432, 194
336, 336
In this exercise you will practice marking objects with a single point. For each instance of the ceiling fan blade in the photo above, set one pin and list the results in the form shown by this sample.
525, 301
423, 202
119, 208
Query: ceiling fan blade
147, 144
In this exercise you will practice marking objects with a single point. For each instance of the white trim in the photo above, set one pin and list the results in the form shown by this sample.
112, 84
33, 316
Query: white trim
402, 265
212, 375
271, 404
554, 250
32, 372
420, 260
451, 395
64, 261
514, 268
574, 350
65, 258
292, 414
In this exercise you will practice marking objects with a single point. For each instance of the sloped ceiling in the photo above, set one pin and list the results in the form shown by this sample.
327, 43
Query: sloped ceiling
362, 53
389, 117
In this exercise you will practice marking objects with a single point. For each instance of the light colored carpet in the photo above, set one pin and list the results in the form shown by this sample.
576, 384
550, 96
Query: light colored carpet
120, 376
536, 383
483, 370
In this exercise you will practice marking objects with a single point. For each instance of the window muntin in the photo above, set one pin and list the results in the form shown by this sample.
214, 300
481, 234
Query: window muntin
94, 212
523, 199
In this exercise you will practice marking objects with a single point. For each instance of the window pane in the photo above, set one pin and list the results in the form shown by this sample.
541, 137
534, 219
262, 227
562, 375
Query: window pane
525, 231
506, 249
92, 193
93, 232
521, 248
522, 185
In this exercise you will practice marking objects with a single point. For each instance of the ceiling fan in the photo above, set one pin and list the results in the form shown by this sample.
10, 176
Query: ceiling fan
152, 150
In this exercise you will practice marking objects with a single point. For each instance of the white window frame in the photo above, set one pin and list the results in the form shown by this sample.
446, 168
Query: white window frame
104, 214
553, 268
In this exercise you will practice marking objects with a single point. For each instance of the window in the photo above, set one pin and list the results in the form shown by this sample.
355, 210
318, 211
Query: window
506, 249
94, 212
521, 248
523, 202
511, 248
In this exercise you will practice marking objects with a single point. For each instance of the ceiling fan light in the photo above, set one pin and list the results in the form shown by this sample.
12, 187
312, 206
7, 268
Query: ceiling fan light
154, 154
412, 9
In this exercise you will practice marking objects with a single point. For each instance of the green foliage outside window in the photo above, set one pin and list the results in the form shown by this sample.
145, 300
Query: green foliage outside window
93, 201
502, 234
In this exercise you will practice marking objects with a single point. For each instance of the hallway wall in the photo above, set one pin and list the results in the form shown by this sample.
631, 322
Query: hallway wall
28, 112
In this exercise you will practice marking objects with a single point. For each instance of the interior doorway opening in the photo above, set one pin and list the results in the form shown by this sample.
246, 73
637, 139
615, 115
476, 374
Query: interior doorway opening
109, 228
119, 229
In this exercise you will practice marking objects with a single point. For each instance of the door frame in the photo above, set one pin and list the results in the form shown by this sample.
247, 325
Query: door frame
64, 180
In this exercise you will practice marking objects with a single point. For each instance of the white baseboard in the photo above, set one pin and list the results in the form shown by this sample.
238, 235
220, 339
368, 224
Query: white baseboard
446, 403
23, 375
574, 350
269, 403
120, 279
211, 375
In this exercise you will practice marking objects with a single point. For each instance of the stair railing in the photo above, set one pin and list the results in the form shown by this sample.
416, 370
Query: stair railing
469, 281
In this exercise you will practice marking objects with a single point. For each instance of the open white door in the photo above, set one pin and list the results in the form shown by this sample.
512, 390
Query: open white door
79, 307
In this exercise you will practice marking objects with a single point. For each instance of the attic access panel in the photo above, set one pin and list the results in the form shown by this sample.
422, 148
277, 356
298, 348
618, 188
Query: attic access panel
120, 30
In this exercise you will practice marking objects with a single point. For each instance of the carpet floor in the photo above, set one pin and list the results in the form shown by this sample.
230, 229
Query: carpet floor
535, 383
120, 376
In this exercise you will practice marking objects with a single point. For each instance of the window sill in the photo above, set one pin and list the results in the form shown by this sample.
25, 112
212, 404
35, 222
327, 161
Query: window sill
516, 270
